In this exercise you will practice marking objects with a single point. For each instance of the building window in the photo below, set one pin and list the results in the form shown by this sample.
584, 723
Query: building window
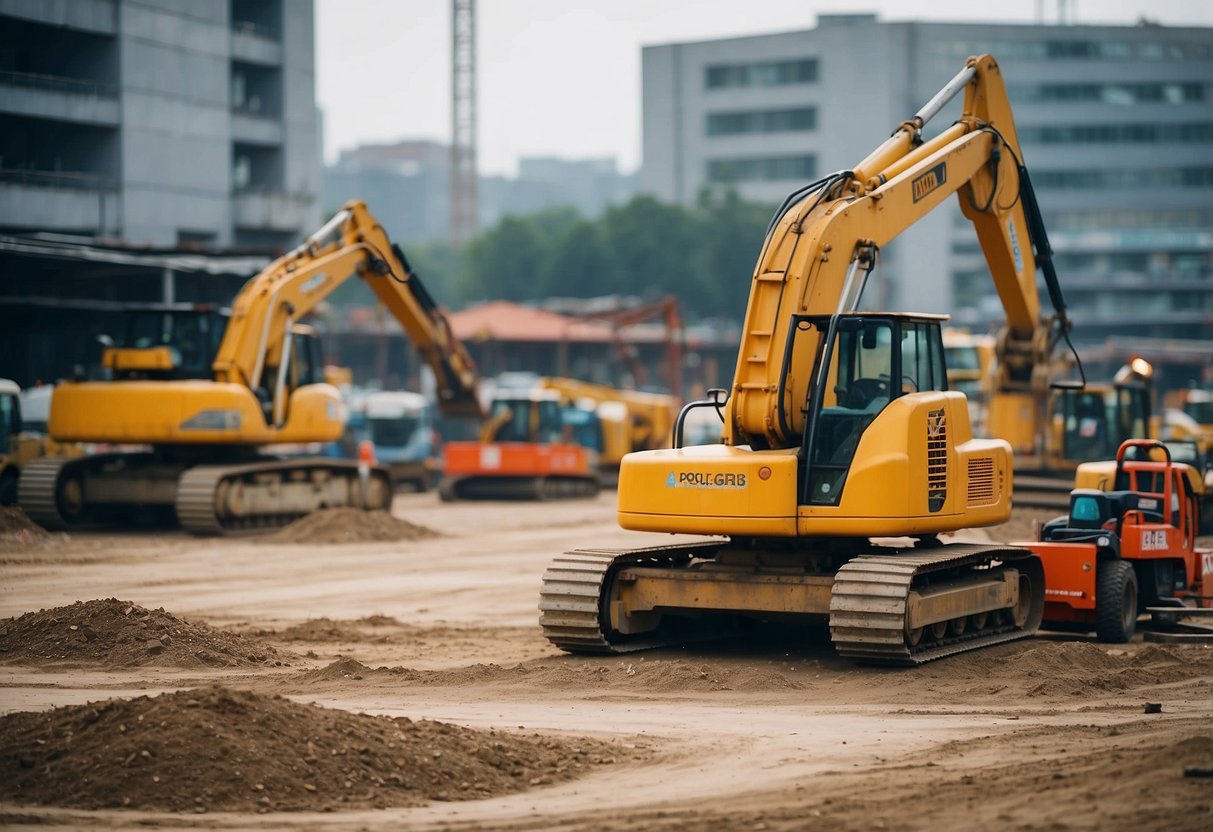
761, 121
261, 18
1192, 133
256, 91
765, 74
762, 169
1071, 50
1100, 179
256, 168
1129, 218
1125, 94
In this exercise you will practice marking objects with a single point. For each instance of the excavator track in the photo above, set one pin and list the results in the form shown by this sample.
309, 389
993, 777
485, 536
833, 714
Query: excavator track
37, 493
206, 504
869, 604
570, 600
47, 495
869, 601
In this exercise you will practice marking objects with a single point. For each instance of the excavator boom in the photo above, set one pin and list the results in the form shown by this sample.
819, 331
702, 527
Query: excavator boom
351, 244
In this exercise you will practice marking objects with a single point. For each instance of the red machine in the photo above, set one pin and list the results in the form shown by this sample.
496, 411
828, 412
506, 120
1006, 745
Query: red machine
1126, 547
527, 451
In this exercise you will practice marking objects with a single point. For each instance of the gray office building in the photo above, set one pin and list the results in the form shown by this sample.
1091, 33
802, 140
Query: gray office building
1116, 124
160, 122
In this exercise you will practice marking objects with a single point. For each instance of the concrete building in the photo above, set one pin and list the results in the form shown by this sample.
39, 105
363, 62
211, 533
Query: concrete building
161, 122
1116, 124
406, 184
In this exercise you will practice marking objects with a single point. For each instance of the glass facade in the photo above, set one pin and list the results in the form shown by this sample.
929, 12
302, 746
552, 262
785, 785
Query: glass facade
1200, 132
1056, 50
1110, 178
764, 74
761, 121
1127, 94
763, 169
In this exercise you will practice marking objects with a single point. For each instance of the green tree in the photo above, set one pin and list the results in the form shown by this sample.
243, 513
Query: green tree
506, 261
731, 232
579, 265
647, 242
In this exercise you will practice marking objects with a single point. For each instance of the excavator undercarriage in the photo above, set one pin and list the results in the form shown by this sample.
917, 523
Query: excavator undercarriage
248, 494
884, 605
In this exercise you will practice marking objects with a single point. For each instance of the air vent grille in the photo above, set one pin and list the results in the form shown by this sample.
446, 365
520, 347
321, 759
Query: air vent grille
981, 481
937, 459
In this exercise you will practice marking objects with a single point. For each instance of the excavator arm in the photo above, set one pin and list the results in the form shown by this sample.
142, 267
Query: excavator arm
255, 350
819, 252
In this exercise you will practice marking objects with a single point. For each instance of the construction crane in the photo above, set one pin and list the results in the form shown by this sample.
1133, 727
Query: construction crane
464, 185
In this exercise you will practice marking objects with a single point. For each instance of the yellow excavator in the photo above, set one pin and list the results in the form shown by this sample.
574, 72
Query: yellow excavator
844, 455
208, 389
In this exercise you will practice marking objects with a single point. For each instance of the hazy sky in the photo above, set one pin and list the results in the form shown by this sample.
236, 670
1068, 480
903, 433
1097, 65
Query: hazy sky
562, 77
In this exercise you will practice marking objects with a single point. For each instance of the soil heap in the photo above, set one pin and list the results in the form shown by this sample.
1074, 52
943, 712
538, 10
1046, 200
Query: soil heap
116, 634
17, 531
221, 749
348, 525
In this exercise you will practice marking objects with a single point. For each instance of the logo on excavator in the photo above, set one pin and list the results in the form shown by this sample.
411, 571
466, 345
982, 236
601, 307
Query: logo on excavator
929, 181
314, 283
703, 479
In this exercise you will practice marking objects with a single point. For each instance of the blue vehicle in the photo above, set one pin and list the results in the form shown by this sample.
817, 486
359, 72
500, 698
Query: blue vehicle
400, 426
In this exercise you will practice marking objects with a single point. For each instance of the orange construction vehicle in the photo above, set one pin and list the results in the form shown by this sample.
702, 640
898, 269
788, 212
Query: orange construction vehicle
533, 447
559, 438
1128, 546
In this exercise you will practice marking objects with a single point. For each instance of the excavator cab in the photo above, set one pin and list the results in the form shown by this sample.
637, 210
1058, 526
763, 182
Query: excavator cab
1095, 420
871, 359
177, 341
525, 418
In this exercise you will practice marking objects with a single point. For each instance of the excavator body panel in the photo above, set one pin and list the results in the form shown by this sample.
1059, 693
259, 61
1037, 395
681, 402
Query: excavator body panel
709, 489
190, 412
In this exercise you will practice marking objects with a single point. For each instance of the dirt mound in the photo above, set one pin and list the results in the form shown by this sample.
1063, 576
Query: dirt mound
569, 674
320, 630
17, 531
348, 525
1044, 668
343, 668
115, 633
1083, 668
227, 750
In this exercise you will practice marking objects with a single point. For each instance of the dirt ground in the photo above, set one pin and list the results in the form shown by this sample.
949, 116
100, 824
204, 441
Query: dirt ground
770, 731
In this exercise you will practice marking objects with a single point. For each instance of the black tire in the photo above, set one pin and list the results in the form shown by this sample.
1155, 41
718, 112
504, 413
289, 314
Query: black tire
1115, 601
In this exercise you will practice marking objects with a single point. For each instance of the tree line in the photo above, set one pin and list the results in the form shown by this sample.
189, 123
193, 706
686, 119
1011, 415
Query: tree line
704, 255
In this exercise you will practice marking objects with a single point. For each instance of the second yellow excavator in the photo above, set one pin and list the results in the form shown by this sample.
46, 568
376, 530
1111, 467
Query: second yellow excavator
844, 456
203, 392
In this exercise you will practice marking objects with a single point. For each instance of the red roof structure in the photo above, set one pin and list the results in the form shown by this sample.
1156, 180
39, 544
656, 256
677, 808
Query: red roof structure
504, 321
